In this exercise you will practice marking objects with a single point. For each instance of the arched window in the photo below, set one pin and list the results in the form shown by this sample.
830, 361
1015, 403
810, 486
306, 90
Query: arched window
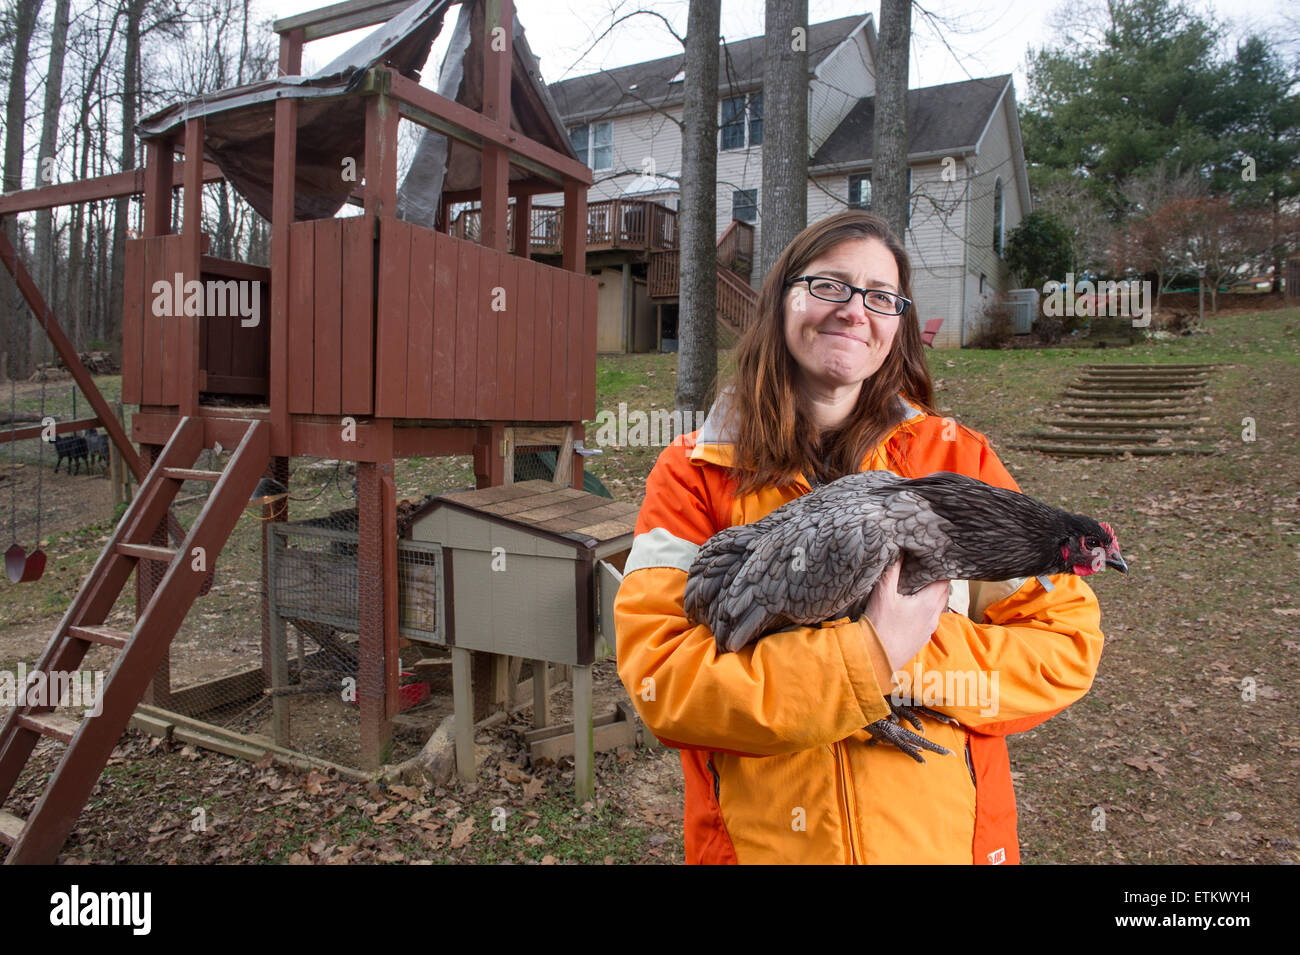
997, 216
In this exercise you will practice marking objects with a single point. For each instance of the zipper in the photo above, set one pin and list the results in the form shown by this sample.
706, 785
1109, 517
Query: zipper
970, 767
844, 776
717, 780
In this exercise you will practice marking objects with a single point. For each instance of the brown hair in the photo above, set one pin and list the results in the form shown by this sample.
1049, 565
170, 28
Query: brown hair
775, 441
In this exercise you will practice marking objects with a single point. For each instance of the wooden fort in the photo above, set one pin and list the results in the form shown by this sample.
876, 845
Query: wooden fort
375, 338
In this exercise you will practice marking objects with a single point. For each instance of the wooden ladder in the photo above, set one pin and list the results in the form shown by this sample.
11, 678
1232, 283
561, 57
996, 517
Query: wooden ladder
90, 741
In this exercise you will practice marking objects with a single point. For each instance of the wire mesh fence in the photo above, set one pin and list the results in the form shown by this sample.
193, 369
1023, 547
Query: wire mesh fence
271, 648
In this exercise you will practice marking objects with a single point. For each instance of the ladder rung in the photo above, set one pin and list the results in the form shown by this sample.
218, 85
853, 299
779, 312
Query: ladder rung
11, 827
190, 474
147, 552
108, 636
50, 724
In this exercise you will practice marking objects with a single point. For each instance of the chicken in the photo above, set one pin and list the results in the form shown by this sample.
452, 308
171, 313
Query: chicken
817, 558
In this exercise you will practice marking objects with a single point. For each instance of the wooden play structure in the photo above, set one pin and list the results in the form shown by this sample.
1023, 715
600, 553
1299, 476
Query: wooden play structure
379, 338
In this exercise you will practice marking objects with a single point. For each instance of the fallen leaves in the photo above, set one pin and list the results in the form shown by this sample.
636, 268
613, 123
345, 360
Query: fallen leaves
1153, 765
461, 834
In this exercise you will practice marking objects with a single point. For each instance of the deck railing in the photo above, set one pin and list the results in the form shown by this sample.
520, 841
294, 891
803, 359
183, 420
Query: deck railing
633, 224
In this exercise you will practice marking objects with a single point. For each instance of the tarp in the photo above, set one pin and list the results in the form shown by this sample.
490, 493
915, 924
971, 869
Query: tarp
240, 128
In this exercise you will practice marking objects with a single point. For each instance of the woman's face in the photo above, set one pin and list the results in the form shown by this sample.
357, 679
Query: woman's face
840, 345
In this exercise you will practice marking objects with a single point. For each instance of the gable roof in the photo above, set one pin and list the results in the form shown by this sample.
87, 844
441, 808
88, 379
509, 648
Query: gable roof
240, 129
950, 118
628, 89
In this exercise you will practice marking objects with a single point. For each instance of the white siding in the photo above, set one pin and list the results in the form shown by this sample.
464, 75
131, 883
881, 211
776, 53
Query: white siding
994, 161
843, 78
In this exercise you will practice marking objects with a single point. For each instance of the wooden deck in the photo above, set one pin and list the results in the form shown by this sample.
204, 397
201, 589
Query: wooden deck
613, 224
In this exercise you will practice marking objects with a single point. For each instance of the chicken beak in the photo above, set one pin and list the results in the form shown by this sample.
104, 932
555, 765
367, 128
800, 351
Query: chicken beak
1114, 559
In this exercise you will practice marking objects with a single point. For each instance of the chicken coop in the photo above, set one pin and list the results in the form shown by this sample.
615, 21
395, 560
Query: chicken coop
371, 335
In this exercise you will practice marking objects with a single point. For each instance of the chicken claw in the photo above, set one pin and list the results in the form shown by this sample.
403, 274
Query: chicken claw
889, 730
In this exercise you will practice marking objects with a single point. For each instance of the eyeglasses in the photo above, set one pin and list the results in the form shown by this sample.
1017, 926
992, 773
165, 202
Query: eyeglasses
833, 290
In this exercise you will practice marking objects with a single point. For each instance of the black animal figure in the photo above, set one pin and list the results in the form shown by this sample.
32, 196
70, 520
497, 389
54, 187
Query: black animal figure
73, 449
97, 447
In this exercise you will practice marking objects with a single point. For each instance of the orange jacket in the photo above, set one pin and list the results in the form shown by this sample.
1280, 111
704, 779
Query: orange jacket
776, 761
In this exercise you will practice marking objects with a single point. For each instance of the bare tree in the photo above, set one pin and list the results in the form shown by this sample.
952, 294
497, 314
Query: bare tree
697, 359
785, 144
889, 160
24, 25
45, 247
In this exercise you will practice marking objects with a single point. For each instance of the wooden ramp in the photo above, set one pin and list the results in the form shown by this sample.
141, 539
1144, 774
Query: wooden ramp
1112, 410
89, 741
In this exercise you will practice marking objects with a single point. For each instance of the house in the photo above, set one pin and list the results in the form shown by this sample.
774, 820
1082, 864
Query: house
969, 185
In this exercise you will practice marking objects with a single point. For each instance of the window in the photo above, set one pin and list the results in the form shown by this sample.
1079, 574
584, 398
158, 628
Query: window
744, 205
594, 144
860, 192
997, 216
741, 121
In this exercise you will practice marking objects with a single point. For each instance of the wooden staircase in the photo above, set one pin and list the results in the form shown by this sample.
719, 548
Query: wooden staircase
89, 741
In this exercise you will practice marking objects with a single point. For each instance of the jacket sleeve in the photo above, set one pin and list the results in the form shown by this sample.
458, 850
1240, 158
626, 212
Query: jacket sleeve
1032, 652
787, 692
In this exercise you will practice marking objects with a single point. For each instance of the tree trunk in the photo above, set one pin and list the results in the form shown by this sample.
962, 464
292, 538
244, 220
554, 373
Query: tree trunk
697, 358
25, 16
889, 161
46, 248
122, 207
784, 208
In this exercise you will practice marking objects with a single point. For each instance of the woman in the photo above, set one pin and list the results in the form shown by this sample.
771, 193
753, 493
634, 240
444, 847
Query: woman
831, 380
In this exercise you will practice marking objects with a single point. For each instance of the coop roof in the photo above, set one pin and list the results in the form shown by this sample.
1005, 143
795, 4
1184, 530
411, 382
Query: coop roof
240, 130
562, 514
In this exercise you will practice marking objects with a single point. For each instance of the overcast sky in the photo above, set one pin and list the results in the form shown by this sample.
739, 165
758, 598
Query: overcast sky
986, 37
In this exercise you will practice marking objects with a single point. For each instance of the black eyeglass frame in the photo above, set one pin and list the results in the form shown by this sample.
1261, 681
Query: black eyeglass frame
907, 302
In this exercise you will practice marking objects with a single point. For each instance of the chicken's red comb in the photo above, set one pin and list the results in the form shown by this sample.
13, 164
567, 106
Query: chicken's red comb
1107, 528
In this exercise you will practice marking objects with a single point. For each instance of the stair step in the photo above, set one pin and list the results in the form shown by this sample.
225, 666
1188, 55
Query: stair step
1094, 451
1086, 436
11, 827
1095, 423
50, 724
107, 636
191, 474
147, 552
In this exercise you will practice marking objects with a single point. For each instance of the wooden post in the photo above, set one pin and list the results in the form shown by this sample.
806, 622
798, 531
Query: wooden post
159, 164
584, 742
381, 154
191, 249
524, 226
541, 694
282, 211
291, 53
274, 638
274, 641
462, 691
574, 241
498, 27
377, 601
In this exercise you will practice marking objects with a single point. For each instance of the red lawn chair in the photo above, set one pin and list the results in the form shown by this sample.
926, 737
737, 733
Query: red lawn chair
931, 329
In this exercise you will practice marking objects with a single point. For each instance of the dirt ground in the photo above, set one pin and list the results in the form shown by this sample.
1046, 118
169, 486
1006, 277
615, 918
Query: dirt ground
1186, 749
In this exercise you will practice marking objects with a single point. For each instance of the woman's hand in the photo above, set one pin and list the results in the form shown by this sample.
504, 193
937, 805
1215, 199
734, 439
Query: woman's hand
904, 623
